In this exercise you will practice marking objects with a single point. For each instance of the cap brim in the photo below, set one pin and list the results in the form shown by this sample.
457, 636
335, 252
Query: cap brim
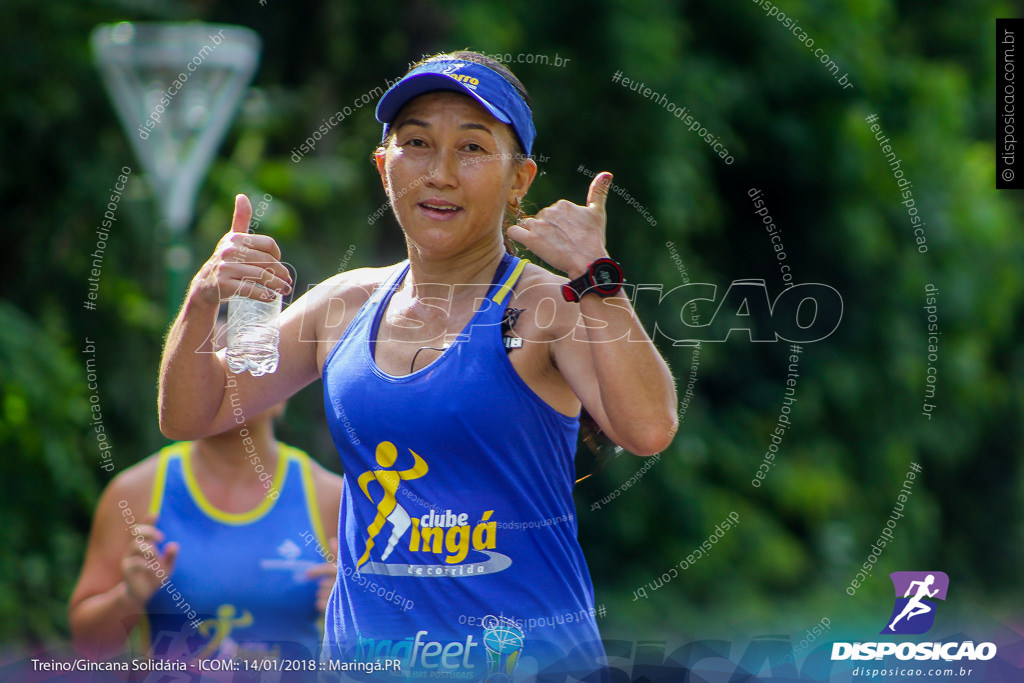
404, 91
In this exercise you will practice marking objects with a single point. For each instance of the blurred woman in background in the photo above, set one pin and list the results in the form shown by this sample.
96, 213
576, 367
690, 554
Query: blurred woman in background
208, 546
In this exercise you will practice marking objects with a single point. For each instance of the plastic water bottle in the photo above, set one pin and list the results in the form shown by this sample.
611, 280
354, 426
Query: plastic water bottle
253, 334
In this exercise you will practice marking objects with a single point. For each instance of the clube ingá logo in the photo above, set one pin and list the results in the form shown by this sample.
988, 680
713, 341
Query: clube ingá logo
916, 593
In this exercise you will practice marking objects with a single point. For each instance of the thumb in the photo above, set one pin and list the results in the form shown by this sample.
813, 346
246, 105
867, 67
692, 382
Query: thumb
243, 214
598, 193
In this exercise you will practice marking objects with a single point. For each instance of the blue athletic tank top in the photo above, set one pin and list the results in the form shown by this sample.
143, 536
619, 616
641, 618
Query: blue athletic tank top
238, 588
459, 553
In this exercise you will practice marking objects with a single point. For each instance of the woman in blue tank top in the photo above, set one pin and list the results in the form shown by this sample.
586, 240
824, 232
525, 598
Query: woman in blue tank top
214, 549
453, 384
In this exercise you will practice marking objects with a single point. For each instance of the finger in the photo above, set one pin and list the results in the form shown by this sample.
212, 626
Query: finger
147, 529
146, 535
259, 248
259, 251
255, 290
598, 193
325, 587
323, 595
140, 547
170, 557
518, 233
333, 559
239, 272
243, 214
255, 283
322, 571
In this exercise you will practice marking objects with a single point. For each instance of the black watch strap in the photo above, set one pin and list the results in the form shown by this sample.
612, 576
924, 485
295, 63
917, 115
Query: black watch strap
603, 277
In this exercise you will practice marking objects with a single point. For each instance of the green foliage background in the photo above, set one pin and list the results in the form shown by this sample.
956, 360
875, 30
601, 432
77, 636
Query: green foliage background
925, 68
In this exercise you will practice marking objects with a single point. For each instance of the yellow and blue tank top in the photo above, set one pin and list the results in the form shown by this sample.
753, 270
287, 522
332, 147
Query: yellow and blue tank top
458, 553
238, 588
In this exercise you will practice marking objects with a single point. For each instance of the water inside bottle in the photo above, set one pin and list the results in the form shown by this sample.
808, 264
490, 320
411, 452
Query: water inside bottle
253, 336
254, 350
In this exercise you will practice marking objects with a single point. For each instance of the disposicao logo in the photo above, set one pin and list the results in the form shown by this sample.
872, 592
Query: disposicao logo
914, 614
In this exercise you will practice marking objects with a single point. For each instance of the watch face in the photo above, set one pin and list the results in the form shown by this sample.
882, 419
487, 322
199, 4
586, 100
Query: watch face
607, 277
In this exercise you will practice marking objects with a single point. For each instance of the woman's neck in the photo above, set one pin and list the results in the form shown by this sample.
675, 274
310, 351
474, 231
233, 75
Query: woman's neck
232, 457
441, 277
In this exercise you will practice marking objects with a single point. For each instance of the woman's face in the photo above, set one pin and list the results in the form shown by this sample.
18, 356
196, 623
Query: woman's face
450, 169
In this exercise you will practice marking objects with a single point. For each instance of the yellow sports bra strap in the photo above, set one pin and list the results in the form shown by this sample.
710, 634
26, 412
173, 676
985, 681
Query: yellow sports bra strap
156, 497
510, 281
309, 488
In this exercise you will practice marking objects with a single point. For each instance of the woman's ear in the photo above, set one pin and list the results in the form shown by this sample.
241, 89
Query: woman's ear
380, 157
522, 178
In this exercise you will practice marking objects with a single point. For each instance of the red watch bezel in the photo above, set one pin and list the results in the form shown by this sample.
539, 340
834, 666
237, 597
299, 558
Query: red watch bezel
573, 290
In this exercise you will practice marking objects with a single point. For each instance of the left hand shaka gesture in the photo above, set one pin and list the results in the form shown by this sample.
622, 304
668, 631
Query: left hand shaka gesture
566, 235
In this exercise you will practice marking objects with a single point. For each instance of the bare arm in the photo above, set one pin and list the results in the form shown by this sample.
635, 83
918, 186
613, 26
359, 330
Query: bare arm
195, 399
607, 358
119, 572
619, 376
328, 496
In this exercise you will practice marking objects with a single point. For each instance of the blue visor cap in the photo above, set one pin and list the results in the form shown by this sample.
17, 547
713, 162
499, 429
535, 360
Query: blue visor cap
487, 87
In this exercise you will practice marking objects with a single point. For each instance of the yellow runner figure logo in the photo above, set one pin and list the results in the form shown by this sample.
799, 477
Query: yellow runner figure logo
219, 629
388, 509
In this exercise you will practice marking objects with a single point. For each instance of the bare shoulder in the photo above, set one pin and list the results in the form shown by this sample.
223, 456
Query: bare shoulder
323, 478
349, 282
546, 315
340, 292
346, 292
324, 312
538, 283
123, 504
130, 490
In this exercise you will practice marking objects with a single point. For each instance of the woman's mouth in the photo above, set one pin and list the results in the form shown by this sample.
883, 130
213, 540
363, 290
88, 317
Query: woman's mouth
439, 209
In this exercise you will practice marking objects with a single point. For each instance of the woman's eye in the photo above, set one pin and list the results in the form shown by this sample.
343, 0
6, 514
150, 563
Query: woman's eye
473, 147
414, 142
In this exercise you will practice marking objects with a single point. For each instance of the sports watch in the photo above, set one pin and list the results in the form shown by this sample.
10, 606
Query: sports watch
602, 277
